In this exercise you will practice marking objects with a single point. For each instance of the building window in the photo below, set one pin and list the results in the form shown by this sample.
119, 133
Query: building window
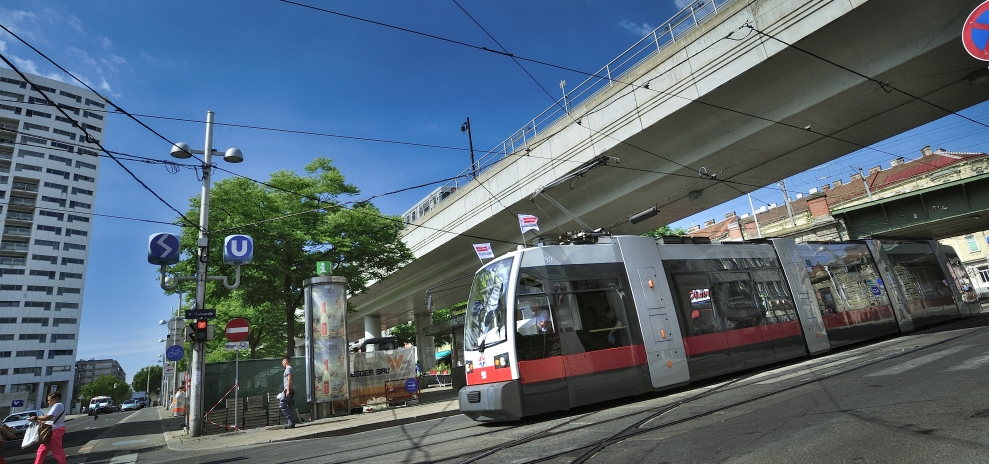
56, 172
47, 243
83, 151
27, 370
57, 337
15, 288
62, 146
80, 177
27, 167
71, 261
29, 126
9, 304
41, 338
80, 204
39, 354
49, 274
60, 159
57, 201
53, 214
73, 96
71, 232
94, 103
64, 321
35, 320
40, 288
34, 140
63, 188
73, 246
90, 114
53, 353
68, 134
47, 306
69, 290
73, 217
6, 337
50, 259
973, 246
56, 230
37, 114
81, 191
69, 275
984, 275
61, 306
23, 153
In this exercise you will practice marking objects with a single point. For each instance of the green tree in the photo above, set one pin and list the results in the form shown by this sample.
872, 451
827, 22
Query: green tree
140, 382
666, 231
291, 233
406, 332
106, 385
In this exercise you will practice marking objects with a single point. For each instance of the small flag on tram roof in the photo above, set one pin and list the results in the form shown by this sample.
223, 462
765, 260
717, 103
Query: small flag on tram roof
483, 250
528, 222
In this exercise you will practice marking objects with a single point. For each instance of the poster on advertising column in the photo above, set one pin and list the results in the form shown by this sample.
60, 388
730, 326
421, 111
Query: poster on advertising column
326, 326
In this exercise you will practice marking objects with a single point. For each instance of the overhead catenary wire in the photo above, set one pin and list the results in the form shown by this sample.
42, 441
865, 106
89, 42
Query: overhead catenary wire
89, 137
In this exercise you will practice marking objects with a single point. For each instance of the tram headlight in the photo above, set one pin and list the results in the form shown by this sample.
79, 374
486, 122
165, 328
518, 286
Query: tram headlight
501, 361
470, 366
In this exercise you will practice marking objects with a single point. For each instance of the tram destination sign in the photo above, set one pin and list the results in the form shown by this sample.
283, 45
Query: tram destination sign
200, 313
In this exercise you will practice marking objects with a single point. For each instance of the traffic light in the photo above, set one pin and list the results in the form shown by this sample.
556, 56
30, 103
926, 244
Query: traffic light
202, 326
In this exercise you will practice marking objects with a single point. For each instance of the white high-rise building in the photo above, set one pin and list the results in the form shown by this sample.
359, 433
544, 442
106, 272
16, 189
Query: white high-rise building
48, 177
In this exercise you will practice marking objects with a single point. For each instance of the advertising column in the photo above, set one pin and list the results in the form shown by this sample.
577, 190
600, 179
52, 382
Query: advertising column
326, 342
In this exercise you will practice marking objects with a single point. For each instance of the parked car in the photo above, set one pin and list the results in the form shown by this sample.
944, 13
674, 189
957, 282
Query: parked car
19, 420
131, 405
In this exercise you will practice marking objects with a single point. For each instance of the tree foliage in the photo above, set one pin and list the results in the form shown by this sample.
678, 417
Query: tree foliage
295, 222
666, 231
140, 382
106, 385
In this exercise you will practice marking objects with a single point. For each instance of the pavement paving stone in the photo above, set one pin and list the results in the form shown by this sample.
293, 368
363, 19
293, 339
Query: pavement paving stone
435, 402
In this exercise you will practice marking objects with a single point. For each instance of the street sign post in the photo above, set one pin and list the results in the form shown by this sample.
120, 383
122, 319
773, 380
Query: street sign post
237, 331
163, 249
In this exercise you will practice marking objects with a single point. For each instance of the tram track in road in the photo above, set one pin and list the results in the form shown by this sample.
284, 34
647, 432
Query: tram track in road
581, 454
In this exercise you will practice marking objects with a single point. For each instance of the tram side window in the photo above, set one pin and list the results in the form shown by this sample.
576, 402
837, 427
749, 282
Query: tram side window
604, 323
693, 300
710, 302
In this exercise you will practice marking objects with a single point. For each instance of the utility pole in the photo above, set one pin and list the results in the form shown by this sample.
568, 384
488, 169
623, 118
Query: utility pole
786, 199
865, 180
757, 228
465, 127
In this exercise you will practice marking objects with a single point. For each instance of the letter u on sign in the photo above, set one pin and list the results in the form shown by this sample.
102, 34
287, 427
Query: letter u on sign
238, 249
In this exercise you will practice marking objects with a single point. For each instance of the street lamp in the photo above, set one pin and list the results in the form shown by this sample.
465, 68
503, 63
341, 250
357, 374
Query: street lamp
232, 155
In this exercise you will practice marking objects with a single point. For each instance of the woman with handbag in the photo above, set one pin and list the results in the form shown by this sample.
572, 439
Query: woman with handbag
51, 439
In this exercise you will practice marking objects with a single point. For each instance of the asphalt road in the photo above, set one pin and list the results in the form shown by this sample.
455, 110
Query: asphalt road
100, 440
918, 398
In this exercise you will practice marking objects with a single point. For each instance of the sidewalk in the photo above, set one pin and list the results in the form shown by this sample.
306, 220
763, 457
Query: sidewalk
436, 402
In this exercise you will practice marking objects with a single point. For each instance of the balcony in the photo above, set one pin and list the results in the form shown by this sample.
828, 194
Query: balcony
21, 201
24, 187
14, 246
12, 261
19, 216
18, 231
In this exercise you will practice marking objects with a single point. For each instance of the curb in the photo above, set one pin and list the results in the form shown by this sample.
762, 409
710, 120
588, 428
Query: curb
178, 444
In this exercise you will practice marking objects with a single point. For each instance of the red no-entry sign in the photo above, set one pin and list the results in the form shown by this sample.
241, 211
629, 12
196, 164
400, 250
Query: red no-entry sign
975, 32
237, 329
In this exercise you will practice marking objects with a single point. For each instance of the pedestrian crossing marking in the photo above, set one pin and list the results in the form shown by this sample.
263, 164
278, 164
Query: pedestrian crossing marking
917, 362
973, 363
129, 458
808, 370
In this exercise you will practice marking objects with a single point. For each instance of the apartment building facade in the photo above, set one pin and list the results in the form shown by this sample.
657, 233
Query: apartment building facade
48, 178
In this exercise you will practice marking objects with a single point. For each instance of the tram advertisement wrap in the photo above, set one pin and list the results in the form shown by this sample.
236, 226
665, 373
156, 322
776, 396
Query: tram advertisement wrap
329, 343
381, 374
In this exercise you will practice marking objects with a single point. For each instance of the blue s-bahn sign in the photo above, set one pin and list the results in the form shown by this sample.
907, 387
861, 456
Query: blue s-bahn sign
163, 248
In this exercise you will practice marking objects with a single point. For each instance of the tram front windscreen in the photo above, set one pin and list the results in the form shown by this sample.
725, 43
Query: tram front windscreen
486, 323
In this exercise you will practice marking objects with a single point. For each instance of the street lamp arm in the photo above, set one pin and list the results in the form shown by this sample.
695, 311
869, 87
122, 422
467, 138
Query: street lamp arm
224, 279
175, 282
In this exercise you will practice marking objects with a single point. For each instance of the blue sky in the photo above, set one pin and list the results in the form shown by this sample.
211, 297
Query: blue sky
277, 65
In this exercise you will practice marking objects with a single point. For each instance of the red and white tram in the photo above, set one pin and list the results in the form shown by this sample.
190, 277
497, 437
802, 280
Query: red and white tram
555, 327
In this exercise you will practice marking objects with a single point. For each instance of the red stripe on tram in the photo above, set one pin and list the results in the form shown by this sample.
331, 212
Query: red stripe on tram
572, 365
707, 343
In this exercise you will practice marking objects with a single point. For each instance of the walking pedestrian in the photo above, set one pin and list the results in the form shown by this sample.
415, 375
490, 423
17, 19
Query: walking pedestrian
287, 396
56, 414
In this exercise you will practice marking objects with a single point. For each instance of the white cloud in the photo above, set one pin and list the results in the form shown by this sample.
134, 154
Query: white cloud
3, 47
682, 3
104, 42
637, 29
76, 23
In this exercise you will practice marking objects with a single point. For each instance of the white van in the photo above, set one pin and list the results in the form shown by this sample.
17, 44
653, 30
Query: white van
103, 404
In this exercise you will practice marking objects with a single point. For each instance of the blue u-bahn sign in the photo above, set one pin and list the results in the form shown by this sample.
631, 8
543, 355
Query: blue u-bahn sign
238, 249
